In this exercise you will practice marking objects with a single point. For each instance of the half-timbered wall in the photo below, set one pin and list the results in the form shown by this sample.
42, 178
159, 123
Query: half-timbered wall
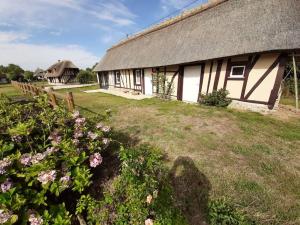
126, 80
171, 74
259, 84
68, 76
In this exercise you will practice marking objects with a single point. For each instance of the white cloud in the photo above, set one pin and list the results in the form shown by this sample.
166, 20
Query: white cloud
31, 20
114, 11
50, 13
31, 56
12, 37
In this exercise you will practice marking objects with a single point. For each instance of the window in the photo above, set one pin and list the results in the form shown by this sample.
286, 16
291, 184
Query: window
237, 71
117, 77
137, 77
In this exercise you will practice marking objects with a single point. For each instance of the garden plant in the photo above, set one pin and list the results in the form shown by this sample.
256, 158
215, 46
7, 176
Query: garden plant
49, 156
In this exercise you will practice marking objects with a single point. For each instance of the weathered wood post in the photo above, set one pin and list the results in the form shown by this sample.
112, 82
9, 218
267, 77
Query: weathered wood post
70, 101
53, 100
31, 92
296, 82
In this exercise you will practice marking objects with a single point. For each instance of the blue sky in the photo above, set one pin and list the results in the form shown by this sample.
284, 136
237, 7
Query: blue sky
37, 33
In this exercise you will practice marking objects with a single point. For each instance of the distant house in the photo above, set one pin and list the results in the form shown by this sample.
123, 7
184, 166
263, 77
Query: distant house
39, 74
3, 78
62, 72
238, 45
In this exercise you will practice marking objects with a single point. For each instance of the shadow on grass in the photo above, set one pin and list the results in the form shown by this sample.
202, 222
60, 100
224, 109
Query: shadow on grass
191, 189
128, 140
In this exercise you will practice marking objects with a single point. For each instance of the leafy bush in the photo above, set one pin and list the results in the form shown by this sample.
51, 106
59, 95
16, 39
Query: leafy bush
85, 77
28, 75
140, 195
44, 153
289, 87
13, 71
221, 212
164, 87
216, 98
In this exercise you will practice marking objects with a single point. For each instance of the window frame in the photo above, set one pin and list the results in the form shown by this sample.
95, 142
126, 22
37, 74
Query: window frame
237, 76
117, 77
140, 77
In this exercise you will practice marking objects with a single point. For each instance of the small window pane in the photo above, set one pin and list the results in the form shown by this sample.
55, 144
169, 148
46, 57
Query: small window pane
138, 77
238, 71
118, 77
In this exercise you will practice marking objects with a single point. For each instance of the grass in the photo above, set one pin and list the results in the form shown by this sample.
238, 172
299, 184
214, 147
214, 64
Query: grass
290, 100
247, 157
9, 90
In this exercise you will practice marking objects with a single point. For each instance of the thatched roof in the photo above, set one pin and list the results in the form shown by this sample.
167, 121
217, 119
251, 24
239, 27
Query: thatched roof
219, 29
58, 68
39, 72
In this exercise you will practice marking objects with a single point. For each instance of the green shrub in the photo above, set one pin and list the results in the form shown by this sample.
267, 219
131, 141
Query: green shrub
223, 213
140, 193
216, 98
45, 152
85, 77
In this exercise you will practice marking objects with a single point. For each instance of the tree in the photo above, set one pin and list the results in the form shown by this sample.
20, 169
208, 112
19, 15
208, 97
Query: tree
85, 77
28, 75
14, 71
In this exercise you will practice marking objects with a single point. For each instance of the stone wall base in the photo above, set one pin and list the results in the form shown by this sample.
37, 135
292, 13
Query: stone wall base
254, 107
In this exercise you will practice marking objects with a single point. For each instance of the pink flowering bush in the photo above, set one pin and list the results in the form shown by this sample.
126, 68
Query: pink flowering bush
45, 152
139, 195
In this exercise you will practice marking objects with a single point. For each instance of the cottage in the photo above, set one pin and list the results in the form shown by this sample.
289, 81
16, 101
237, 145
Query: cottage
62, 72
39, 74
3, 78
239, 45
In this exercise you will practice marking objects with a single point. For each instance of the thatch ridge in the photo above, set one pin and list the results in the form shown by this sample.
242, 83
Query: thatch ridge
59, 68
168, 22
231, 27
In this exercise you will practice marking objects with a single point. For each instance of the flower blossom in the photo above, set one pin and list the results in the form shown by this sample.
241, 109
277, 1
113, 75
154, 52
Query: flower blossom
76, 114
35, 220
6, 185
55, 137
155, 194
78, 134
149, 222
46, 176
51, 150
106, 129
4, 216
105, 141
4, 163
16, 138
92, 135
149, 199
25, 159
79, 122
75, 141
99, 125
37, 158
65, 180
95, 160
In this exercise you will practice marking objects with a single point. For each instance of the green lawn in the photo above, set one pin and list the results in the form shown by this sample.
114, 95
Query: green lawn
288, 101
251, 159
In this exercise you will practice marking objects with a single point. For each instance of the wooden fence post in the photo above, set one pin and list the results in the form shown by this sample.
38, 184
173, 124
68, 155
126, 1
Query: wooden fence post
34, 90
296, 82
52, 97
31, 90
70, 101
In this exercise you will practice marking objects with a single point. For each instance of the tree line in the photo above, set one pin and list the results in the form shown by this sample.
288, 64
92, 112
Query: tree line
17, 73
